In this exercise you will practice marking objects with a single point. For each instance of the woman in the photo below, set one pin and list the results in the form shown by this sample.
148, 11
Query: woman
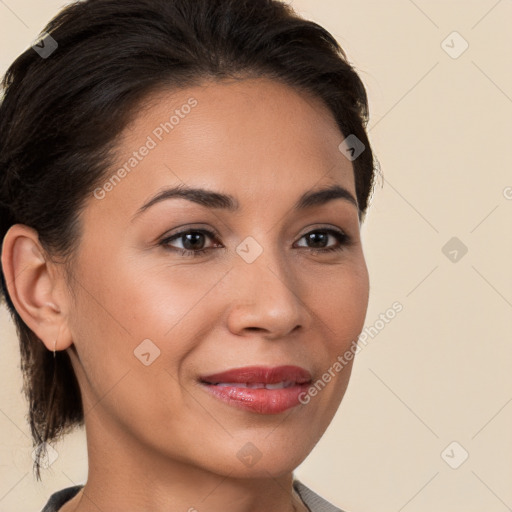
182, 187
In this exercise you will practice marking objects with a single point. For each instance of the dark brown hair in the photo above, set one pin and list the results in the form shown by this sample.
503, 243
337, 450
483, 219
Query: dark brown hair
62, 113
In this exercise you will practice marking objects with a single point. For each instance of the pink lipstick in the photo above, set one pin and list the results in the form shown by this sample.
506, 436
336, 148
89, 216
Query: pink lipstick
263, 390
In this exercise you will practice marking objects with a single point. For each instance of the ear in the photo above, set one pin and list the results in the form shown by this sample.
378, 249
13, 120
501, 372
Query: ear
36, 287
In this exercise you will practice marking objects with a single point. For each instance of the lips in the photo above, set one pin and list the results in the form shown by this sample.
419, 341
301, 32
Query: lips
259, 389
260, 375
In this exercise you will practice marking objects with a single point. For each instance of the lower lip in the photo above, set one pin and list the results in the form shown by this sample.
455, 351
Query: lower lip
260, 400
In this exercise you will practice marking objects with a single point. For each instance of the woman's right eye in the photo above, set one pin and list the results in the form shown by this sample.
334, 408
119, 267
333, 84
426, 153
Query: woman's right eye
190, 239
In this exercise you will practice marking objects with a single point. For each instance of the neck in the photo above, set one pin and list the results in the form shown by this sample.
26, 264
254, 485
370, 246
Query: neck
124, 475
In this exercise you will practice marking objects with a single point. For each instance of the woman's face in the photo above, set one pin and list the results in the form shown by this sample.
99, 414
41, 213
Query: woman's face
149, 323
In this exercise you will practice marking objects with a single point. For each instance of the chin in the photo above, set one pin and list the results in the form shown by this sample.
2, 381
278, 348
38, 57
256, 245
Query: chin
261, 458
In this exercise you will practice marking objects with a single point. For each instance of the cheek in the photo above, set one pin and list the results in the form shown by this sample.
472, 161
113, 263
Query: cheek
122, 303
342, 303
115, 314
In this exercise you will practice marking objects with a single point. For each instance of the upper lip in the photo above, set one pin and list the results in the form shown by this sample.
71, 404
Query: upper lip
261, 374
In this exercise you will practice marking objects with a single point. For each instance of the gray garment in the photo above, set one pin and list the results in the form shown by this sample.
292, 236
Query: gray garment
313, 501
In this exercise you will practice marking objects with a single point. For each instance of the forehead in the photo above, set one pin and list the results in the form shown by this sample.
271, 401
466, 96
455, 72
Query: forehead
255, 139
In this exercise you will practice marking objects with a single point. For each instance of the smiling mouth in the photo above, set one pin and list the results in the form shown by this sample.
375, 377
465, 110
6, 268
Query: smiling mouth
262, 390
260, 376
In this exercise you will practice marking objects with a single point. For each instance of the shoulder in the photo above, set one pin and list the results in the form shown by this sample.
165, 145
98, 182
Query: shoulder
58, 498
313, 501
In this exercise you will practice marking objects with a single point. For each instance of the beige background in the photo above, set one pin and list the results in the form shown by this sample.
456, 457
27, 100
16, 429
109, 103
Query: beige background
440, 371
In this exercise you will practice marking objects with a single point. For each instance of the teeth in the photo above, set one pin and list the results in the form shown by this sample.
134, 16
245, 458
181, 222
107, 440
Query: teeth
256, 385
277, 385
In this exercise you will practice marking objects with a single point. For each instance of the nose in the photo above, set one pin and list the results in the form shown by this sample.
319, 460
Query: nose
266, 296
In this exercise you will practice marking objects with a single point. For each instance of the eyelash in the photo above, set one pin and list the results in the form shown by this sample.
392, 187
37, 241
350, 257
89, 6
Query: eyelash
343, 239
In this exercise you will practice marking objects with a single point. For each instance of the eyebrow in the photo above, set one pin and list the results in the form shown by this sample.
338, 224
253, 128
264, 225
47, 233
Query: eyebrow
216, 200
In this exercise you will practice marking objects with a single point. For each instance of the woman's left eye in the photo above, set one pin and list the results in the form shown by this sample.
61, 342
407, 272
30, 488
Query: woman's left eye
192, 241
321, 236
